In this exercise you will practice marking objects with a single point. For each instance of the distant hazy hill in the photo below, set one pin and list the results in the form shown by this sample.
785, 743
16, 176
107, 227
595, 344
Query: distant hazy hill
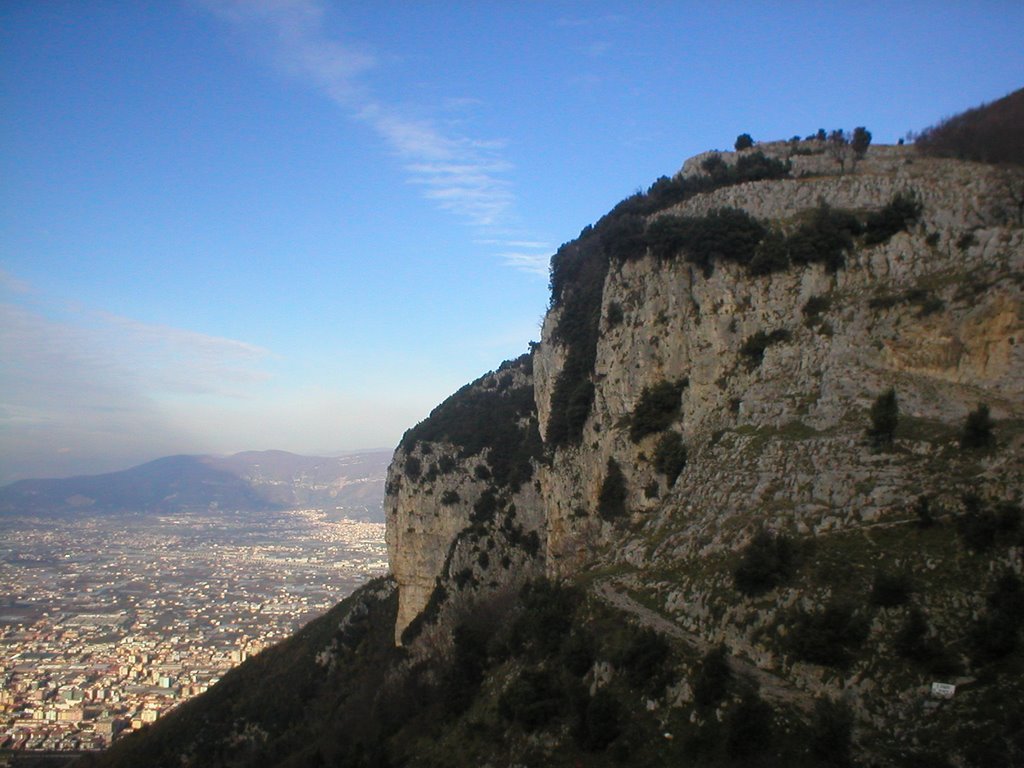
250, 481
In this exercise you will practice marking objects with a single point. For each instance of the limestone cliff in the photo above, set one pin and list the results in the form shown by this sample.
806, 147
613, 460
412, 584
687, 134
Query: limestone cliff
934, 311
463, 510
705, 383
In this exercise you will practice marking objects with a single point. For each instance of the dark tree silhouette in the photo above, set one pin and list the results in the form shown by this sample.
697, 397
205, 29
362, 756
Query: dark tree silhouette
860, 142
885, 415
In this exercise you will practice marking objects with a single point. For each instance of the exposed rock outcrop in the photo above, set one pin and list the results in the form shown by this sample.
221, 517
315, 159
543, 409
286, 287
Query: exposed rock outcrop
774, 371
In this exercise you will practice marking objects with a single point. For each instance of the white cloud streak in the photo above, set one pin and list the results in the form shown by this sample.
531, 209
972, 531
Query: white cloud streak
460, 174
84, 391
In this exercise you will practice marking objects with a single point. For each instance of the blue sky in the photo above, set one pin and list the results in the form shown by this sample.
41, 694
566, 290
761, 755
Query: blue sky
300, 225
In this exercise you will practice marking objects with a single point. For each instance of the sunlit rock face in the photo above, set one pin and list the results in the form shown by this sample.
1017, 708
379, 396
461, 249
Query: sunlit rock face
774, 431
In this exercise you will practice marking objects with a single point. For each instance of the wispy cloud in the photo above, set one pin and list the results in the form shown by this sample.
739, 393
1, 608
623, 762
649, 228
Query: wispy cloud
531, 256
83, 390
11, 284
461, 174
97, 361
588, 22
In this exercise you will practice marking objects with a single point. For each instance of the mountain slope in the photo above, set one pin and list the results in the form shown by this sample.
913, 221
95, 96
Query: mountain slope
757, 488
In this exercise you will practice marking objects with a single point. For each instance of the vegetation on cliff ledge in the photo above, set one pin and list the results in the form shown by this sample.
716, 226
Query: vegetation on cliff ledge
493, 415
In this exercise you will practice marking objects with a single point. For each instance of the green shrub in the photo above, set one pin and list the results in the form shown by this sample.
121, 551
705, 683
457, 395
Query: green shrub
578, 653
885, 415
966, 240
911, 638
831, 737
770, 255
997, 632
754, 347
547, 614
829, 636
824, 238
413, 467
743, 141
450, 497
977, 430
890, 589
531, 543
532, 700
623, 238
657, 408
898, 214
599, 722
477, 418
912, 642
670, 456
923, 510
750, 730
713, 678
860, 141
766, 562
611, 501
814, 308
642, 656
979, 525
485, 508
725, 234
615, 314
757, 166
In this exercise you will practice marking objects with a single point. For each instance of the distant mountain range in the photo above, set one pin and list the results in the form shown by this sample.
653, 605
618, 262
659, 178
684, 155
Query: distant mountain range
252, 481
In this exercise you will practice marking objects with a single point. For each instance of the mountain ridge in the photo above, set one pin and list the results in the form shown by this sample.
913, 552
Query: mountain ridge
254, 481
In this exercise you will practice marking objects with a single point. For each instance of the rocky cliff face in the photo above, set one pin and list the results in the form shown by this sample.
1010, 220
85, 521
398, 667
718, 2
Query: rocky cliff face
699, 393
773, 437
934, 312
463, 509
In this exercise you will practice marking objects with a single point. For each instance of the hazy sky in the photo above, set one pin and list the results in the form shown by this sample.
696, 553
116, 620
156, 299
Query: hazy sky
300, 225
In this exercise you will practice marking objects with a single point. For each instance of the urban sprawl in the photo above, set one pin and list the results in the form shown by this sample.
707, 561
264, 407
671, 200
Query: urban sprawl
108, 623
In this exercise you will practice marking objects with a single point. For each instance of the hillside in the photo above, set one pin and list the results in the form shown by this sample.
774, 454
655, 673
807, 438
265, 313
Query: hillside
252, 481
756, 489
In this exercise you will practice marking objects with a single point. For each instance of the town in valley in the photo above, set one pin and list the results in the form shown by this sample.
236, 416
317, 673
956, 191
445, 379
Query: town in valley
109, 622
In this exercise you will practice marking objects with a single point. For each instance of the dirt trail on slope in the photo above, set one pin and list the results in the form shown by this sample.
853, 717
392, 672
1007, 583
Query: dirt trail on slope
772, 688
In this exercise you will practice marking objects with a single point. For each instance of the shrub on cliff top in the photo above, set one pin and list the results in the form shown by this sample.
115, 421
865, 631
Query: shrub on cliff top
725, 234
500, 420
